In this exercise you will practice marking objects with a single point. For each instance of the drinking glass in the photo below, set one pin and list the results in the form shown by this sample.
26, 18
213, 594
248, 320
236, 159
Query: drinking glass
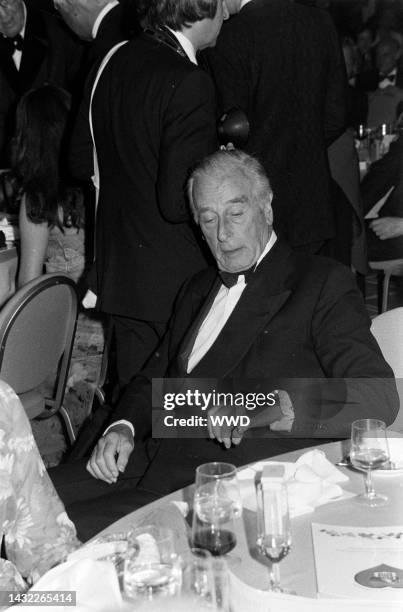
369, 451
197, 577
273, 528
155, 570
217, 504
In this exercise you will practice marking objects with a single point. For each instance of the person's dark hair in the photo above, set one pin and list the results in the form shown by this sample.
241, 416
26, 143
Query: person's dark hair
36, 157
175, 14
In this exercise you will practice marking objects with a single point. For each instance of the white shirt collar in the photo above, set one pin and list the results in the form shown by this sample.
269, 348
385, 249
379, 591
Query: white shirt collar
186, 45
244, 2
269, 245
108, 7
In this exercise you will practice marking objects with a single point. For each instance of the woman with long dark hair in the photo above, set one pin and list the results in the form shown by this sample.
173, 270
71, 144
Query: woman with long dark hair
51, 217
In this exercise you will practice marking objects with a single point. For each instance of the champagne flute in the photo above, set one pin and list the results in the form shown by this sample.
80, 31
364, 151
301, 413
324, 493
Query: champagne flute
217, 503
369, 451
273, 528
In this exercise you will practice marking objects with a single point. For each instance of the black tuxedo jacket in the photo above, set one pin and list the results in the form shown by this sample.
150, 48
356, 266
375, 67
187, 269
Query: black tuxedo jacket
50, 55
281, 63
154, 117
299, 322
113, 29
387, 172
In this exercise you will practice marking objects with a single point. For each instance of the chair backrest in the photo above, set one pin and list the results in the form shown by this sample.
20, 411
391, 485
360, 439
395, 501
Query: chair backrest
388, 331
37, 328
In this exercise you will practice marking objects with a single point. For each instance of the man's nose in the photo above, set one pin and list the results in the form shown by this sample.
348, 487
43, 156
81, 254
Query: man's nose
223, 230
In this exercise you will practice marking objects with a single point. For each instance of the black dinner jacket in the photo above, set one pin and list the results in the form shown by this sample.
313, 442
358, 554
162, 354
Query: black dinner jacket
281, 63
50, 55
112, 30
154, 117
300, 321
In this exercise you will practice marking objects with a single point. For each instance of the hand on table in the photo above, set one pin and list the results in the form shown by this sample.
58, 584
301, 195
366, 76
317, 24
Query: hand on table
111, 454
277, 417
387, 227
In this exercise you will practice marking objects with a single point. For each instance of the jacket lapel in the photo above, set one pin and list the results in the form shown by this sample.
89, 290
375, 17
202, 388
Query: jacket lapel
8, 68
190, 337
262, 299
34, 51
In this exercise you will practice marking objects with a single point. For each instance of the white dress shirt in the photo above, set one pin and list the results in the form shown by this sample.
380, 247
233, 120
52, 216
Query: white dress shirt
386, 81
220, 311
186, 45
17, 55
108, 7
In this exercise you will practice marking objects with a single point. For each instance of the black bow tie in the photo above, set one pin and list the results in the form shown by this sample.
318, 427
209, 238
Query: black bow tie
389, 77
15, 43
229, 279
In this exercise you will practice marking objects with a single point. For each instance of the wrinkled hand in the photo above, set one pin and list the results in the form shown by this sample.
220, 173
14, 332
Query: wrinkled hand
226, 434
387, 227
111, 454
287, 413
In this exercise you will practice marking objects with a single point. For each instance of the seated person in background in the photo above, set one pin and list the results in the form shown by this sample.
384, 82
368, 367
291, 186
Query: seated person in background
36, 529
51, 214
383, 102
267, 319
385, 233
357, 100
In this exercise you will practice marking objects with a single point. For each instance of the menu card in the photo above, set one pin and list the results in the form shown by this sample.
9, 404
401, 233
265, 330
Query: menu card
343, 552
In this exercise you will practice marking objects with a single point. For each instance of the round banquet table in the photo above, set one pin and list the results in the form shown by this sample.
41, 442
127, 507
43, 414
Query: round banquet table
298, 568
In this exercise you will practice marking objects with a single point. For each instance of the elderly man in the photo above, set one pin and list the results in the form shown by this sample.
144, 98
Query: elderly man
154, 116
267, 318
287, 328
99, 21
34, 49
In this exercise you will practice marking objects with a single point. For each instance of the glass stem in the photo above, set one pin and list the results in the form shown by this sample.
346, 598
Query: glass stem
369, 487
275, 577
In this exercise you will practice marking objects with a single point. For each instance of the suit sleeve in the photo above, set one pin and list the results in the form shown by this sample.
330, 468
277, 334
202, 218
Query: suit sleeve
383, 174
227, 63
351, 359
188, 135
335, 111
81, 160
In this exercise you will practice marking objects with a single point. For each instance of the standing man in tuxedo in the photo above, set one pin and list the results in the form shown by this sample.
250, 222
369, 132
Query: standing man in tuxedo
100, 21
280, 62
35, 48
154, 116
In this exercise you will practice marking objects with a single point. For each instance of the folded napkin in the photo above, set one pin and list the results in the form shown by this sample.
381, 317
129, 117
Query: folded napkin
94, 582
311, 481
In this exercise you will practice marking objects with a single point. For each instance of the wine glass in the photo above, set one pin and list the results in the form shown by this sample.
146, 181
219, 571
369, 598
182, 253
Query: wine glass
369, 451
217, 503
273, 528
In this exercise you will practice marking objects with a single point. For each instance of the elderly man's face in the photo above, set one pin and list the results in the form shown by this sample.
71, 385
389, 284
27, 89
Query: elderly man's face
11, 17
235, 226
386, 58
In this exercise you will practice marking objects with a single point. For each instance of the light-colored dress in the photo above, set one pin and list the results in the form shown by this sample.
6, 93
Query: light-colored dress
66, 252
37, 531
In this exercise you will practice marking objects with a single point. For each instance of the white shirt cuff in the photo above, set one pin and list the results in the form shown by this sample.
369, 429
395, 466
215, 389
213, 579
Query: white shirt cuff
121, 422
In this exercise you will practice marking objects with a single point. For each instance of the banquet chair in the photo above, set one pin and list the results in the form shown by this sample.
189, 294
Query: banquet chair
37, 329
387, 328
390, 267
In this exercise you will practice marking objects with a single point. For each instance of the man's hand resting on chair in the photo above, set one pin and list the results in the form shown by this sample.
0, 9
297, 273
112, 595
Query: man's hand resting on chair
111, 454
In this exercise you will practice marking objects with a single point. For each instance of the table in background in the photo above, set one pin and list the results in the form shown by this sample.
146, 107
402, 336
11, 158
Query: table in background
298, 568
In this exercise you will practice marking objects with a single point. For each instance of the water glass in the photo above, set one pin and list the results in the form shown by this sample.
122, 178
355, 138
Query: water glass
155, 571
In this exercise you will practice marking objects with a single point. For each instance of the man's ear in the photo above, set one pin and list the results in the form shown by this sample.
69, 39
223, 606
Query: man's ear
267, 210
